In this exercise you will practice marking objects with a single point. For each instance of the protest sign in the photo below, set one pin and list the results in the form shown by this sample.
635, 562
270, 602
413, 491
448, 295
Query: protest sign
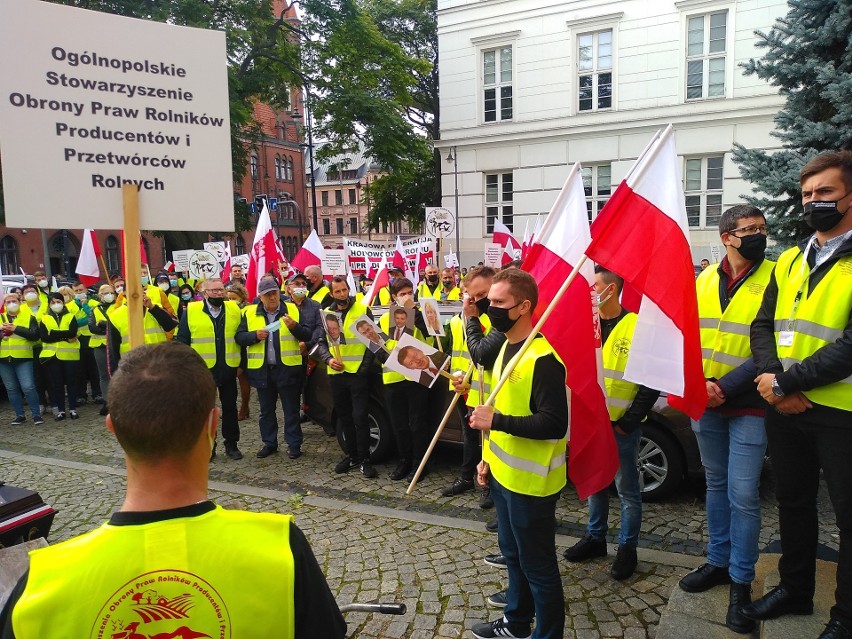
451, 261
440, 221
493, 255
240, 260
203, 265
217, 249
181, 260
366, 256
334, 262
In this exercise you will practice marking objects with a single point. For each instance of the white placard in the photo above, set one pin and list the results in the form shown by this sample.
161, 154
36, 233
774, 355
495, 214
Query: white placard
451, 261
218, 249
94, 101
440, 221
493, 255
203, 265
181, 260
334, 262
715, 253
240, 260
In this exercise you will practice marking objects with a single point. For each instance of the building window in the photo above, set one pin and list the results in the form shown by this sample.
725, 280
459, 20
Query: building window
326, 227
498, 200
706, 38
253, 165
339, 222
113, 254
9, 254
497, 84
277, 168
352, 198
324, 196
353, 225
338, 197
594, 62
239, 245
290, 175
597, 182
703, 191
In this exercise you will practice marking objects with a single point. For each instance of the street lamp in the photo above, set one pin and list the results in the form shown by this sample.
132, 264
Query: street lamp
298, 116
453, 157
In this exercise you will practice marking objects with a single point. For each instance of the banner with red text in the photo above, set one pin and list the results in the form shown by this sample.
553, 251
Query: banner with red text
365, 256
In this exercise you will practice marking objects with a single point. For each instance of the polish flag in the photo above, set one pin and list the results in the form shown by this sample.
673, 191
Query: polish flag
642, 234
226, 268
525, 245
265, 253
398, 258
380, 280
87, 269
511, 247
574, 332
169, 266
310, 254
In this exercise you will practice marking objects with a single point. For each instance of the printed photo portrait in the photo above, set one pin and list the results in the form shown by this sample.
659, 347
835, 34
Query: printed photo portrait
401, 322
369, 334
417, 361
431, 316
333, 329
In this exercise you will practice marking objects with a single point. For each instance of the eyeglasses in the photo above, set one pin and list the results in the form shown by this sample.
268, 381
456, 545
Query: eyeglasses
220, 291
749, 230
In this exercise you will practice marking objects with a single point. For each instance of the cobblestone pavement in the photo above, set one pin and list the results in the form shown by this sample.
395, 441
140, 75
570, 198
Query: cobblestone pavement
374, 542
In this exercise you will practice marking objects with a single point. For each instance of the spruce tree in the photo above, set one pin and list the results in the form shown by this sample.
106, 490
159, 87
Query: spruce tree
809, 58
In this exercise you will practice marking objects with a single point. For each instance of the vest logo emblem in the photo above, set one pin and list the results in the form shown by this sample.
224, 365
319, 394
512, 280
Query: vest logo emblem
164, 604
755, 289
621, 347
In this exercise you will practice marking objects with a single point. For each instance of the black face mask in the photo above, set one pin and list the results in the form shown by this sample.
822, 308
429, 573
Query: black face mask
500, 319
216, 302
482, 305
342, 305
752, 247
448, 284
823, 216
432, 279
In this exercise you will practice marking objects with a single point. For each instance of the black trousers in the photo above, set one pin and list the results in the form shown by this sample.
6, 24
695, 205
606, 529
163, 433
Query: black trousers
87, 371
407, 404
228, 398
351, 394
63, 373
472, 444
799, 447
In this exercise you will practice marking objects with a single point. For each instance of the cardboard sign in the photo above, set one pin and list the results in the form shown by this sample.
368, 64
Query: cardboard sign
181, 260
203, 265
493, 255
451, 261
334, 262
96, 101
217, 249
440, 221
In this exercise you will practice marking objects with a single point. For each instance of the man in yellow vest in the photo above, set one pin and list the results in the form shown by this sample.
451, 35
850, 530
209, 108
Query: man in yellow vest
209, 327
430, 286
802, 345
449, 291
156, 323
629, 405
349, 377
171, 551
317, 290
271, 332
524, 462
731, 434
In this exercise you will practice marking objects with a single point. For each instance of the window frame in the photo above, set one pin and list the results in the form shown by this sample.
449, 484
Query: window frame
704, 194
595, 71
501, 203
10, 257
698, 8
595, 200
496, 42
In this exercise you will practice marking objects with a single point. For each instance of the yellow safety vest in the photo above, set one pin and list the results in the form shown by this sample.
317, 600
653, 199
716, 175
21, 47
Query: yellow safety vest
65, 351
77, 311
526, 466
100, 316
619, 392
390, 376
154, 333
320, 294
288, 344
423, 290
14, 345
174, 300
461, 358
202, 335
816, 320
383, 298
353, 350
453, 296
725, 341
202, 574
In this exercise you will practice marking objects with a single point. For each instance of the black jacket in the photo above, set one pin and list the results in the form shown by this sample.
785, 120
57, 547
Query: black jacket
309, 317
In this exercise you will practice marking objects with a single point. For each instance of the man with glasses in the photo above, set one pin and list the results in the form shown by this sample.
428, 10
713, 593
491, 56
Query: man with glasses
731, 435
209, 327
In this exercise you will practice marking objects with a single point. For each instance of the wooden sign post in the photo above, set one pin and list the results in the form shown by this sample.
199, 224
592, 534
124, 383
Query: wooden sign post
132, 264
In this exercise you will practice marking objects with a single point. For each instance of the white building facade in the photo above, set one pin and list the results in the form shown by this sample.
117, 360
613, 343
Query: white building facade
528, 87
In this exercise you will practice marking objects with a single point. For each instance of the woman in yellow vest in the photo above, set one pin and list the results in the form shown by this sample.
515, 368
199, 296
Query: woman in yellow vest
32, 300
20, 332
99, 327
61, 354
236, 292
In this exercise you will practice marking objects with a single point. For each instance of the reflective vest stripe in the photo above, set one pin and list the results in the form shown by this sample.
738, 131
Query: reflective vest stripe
153, 332
65, 351
527, 465
620, 393
97, 340
787, 362
352, 352
288, 345
806, 327
461, 358
202, 332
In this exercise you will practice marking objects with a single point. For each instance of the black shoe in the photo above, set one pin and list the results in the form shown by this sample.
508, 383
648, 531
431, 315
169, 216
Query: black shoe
740, 595
402, 469
233, 452
410, 477
20, 419
104, 410
459, 486
625, 562
498, 599
704, 578
778, 601
266, 451
59, 416
498, 561
836, 630
485, 499
73, 414
491, 526
367, 470
587, 548
38, 421
98, 399
81, 401
304, 418
501, 628
294, 453
346, 464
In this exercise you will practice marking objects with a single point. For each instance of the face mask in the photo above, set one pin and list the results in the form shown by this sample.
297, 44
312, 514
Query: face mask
823, 216
57, 307
500, 319
31, 296
603, 299
119, 289
186, 296
81, 297
483, 305
343, 305
216, 302
145, 280
432, 279
391, 280
300, 292
164, 286
752, 247
13, 307
42, 283
448, 283
173, 283
109, 298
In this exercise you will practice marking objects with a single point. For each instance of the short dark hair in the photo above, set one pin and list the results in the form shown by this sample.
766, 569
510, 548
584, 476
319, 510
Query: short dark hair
522, 285
405, 351
609, 277
147, 427
332, 317
728, 219
828, 160
401, 311
514, 264
478, 271
339, 279
400, 283
361, 323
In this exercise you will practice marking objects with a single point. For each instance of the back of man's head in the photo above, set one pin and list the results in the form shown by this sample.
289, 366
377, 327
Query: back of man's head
148, 427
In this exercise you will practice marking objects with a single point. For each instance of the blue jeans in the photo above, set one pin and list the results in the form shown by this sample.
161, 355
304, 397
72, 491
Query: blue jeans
526, 533
732, 451
629, 493
18, 376
290, 396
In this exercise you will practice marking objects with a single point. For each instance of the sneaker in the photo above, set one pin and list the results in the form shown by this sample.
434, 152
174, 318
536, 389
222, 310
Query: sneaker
20, 419
345, 465
38, 421
498, 561
73, 414
625, 562
402, 469
367, 470
485, 499
498, 599
459, 486
501, 628
587, 548
704, 578
59, 416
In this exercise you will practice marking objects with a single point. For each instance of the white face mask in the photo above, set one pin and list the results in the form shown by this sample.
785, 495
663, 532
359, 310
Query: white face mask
31, 296
300, 292
42, 283
81, 296
119, 289
109, 298
603, 299
57, 307
13, 307
164, 286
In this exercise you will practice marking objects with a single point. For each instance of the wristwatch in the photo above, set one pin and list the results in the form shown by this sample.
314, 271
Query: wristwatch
776, 388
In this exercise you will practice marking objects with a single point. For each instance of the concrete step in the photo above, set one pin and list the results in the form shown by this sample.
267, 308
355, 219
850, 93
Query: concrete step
700, 615
798, 626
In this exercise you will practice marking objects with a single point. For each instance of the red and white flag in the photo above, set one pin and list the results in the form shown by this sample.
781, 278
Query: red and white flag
310, 254
525, 245
511, 247
573, 331
398, 258
87, 264
226, 267
380, 280
642, 235
265, 253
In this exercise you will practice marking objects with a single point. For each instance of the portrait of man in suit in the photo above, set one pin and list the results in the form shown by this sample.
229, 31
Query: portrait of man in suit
370, 335
429, 366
